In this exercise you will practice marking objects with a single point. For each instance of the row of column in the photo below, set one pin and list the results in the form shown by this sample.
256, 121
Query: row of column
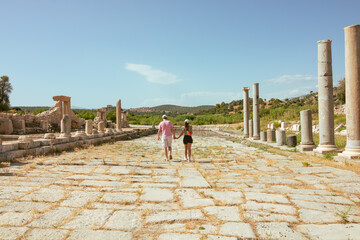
326, 101
251, 127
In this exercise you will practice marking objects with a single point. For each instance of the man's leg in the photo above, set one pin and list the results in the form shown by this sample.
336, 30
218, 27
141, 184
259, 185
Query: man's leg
166, 154
170, 153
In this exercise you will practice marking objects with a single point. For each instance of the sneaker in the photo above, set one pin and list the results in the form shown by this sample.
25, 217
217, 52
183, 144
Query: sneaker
170, 156
185, 159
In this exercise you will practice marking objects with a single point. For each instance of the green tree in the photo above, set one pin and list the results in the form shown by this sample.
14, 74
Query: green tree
340, 91
5, 90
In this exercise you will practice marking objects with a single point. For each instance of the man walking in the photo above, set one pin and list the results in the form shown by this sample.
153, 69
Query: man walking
167, 129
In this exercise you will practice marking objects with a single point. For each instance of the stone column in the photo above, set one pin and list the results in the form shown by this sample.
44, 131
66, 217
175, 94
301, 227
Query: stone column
125, 119
250, 128
65, 129
246, 111
270, 135
280, 137
326, 101
101, 127
118, 116
352, 90
307, 142
256, 118
263, 136
88, 127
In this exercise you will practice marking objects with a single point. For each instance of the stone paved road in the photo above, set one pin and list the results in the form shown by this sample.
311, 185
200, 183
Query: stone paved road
126, 190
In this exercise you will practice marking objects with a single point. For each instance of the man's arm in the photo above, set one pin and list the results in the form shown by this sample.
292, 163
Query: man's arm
173, 132
159, 134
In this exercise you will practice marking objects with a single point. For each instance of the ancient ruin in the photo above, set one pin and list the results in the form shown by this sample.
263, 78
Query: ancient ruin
256, 118
246, 111
326, 101
307, 142
118, 116
352, 83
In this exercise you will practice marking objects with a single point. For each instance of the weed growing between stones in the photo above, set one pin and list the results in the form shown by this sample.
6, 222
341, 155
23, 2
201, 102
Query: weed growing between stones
344, 215
306, 164
329, 155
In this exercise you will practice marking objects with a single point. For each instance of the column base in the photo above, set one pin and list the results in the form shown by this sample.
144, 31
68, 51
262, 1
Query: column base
305, 148
350, 153
256, 137
65, 135
326, 148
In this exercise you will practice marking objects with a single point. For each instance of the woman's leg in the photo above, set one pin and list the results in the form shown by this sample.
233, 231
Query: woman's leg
185, 149
189, 150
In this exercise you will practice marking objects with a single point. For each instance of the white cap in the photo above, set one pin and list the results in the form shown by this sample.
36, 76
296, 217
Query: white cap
164, 116
187, 121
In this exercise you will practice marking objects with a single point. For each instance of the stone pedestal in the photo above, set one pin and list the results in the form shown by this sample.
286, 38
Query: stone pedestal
263, 136
118, 116
88, 127
256, 118
291, 141
153, 125
246, 111
270, 135
307, 142
65, 126
80, 134
352, 91
250, 128
326, 101
280, 137
101, 127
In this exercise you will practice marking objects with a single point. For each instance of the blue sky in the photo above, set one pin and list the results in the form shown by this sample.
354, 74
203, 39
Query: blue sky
147, 53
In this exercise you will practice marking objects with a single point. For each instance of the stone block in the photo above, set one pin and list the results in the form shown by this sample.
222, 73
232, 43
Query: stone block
6, 126
291, 140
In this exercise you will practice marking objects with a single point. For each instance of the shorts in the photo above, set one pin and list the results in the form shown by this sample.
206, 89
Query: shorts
166, 141
187, 139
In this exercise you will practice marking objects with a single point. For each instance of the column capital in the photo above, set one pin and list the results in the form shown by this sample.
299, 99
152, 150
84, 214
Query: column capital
245, 89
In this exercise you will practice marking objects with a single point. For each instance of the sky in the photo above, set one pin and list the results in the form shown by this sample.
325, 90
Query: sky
154, 52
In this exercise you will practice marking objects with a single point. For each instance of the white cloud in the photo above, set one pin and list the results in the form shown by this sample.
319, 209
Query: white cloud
291, 79
153, 75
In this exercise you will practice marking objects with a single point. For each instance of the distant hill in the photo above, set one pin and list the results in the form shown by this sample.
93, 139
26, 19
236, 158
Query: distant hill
168, 108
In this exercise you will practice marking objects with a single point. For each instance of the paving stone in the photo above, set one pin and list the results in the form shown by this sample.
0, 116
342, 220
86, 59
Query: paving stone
178, 236
154, 185
270, 207
315, 216
53, 218
120, 197
237, 229
205, 229
167, 179
45, 195
175, 216
228, 197
327, 207
25, 207
265, 197
190, 198
259, 216
80, 198
331, 231
277, 230
165, 171
41, 234
164, 227
15, 218
89, 219
112, 206
157, 195
124, 220
100, 234
325, 199
215, 237
12, 232
347, 187
96, 183
224, 213
194, 181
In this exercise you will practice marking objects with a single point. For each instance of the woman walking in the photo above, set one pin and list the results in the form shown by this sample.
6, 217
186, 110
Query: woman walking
187, 131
